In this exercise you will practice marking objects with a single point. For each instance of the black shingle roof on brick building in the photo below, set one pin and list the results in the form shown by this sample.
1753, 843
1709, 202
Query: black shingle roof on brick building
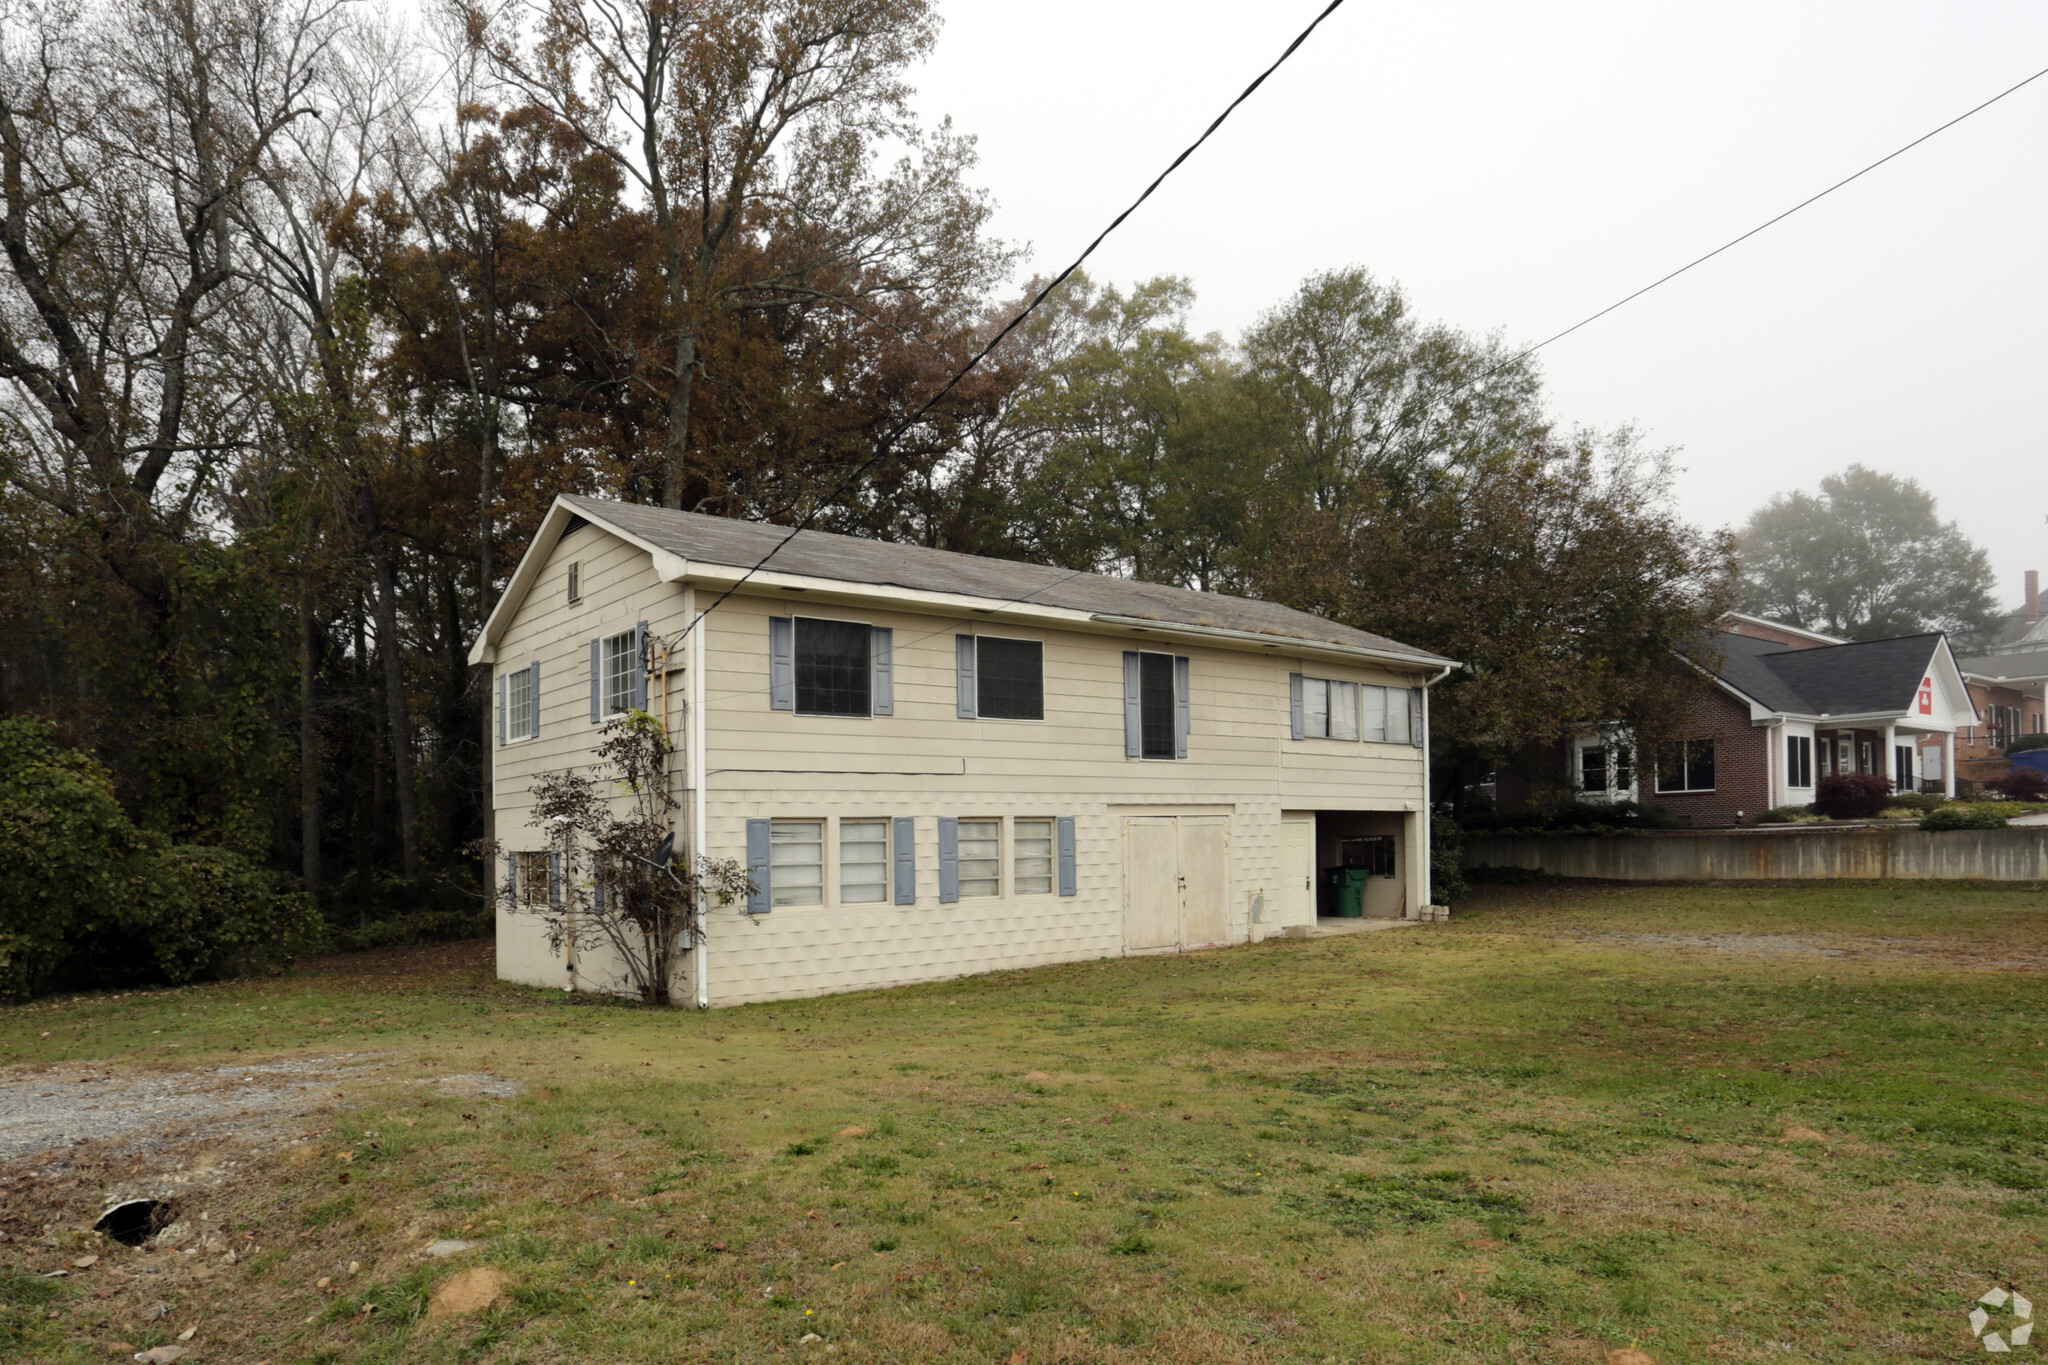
1865, 677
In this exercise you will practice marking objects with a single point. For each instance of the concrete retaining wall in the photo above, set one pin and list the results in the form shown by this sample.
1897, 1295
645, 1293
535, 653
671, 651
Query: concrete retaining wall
1999, 855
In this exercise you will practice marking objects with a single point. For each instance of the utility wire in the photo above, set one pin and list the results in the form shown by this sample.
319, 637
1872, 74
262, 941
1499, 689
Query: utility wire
1737, 241
1011, 326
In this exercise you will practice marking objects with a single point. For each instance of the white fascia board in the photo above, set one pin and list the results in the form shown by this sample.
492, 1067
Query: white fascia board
1286, 644
1780, 625
552, 527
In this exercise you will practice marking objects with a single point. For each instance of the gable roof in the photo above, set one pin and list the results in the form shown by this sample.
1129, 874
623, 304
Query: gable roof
2015, 665
722, 541
1863, 677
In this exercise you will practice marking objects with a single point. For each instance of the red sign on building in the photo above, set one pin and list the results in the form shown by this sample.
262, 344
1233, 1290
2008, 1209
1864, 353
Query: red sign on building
1927, 696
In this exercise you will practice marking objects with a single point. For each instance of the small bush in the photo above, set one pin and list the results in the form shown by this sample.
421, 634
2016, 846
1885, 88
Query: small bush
2022, 784
1446, 875
1919, 802
1788, 815
1851, 796
1963, 815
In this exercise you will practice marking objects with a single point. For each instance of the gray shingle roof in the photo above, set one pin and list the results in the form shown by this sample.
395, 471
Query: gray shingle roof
1827, 680
2020, 663
850, 559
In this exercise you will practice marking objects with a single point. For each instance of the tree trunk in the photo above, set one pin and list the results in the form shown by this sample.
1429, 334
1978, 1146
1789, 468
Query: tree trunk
310, 821
398, 723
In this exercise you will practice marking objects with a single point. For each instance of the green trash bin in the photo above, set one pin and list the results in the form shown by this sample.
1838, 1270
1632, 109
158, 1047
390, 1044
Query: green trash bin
1347, 890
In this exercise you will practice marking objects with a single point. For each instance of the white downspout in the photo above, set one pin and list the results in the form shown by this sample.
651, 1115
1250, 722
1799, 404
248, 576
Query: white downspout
697, 769
1428, 816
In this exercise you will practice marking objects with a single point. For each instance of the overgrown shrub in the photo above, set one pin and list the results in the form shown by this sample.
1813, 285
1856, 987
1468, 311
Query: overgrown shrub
1851, 796
87, 899
1963, 815
1446, 873
1789, 815
2021, 784
1572, 817
1918, 801
2019, 744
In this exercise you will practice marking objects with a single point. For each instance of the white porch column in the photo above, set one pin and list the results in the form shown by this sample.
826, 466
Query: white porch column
1888, 761
1948, 764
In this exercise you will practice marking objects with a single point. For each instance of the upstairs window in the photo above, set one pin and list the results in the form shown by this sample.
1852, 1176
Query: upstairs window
1001, 679
519, 704
576, 582
1688, 766
832, 667
1155, 703
1324, 708
615, 672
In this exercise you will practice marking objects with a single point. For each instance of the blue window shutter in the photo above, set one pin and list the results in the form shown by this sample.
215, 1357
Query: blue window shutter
949, 859
1180, 705
1068, 881
782, 663
963, 648
1294, 720
555, 879
757, 866
1415, 735
642, 661
906, 860
882, 672
534, 731
596, 681
1134, 711
504, 697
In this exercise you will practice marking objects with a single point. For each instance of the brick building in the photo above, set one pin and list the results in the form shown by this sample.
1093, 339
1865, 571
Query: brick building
2007, 686
1776, 709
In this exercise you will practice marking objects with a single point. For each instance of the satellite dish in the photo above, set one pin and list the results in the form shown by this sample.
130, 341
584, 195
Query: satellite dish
665, 854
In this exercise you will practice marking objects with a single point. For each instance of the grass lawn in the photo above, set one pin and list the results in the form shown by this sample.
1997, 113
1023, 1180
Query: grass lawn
1554, 1127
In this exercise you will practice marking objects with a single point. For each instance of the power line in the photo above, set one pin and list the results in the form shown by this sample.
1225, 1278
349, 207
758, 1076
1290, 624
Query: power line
1011, 326
1737, 241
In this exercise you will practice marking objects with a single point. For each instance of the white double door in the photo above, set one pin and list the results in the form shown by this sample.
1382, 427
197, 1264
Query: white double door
1176, 881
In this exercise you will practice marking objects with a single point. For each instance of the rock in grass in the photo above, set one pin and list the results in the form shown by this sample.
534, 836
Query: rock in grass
470, 1292
448, 1246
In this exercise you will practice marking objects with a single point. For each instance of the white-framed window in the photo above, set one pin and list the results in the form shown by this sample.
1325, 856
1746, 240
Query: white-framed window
1031, 857
796, 862
519, 705
1604, 768
981, 858
863, 861
615, 672
1799, 761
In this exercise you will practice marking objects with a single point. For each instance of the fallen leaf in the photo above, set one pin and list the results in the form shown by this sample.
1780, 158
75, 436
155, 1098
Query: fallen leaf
189, 1333
85, 1262
1017, 1356
160, 1355
1462, 1300
323, 1283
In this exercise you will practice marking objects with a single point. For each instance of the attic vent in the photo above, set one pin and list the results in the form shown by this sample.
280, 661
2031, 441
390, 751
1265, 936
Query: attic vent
576, 523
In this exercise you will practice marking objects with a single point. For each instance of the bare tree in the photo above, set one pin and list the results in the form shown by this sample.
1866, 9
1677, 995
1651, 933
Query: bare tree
606, 887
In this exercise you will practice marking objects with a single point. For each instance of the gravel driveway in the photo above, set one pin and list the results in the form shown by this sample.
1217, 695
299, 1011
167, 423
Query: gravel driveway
52, 1108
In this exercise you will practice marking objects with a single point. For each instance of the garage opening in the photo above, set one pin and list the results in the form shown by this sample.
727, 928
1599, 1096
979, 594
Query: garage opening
1343, 865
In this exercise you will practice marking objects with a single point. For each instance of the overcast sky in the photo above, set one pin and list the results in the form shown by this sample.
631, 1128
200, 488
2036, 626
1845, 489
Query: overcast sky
1515, 167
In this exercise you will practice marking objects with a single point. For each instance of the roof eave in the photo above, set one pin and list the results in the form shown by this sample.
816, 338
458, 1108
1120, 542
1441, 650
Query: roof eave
1280, 643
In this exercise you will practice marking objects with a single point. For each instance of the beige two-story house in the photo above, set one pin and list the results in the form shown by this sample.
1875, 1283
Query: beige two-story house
936, 764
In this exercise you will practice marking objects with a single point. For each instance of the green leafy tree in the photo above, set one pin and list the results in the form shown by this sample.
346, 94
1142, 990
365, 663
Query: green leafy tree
1866, 558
